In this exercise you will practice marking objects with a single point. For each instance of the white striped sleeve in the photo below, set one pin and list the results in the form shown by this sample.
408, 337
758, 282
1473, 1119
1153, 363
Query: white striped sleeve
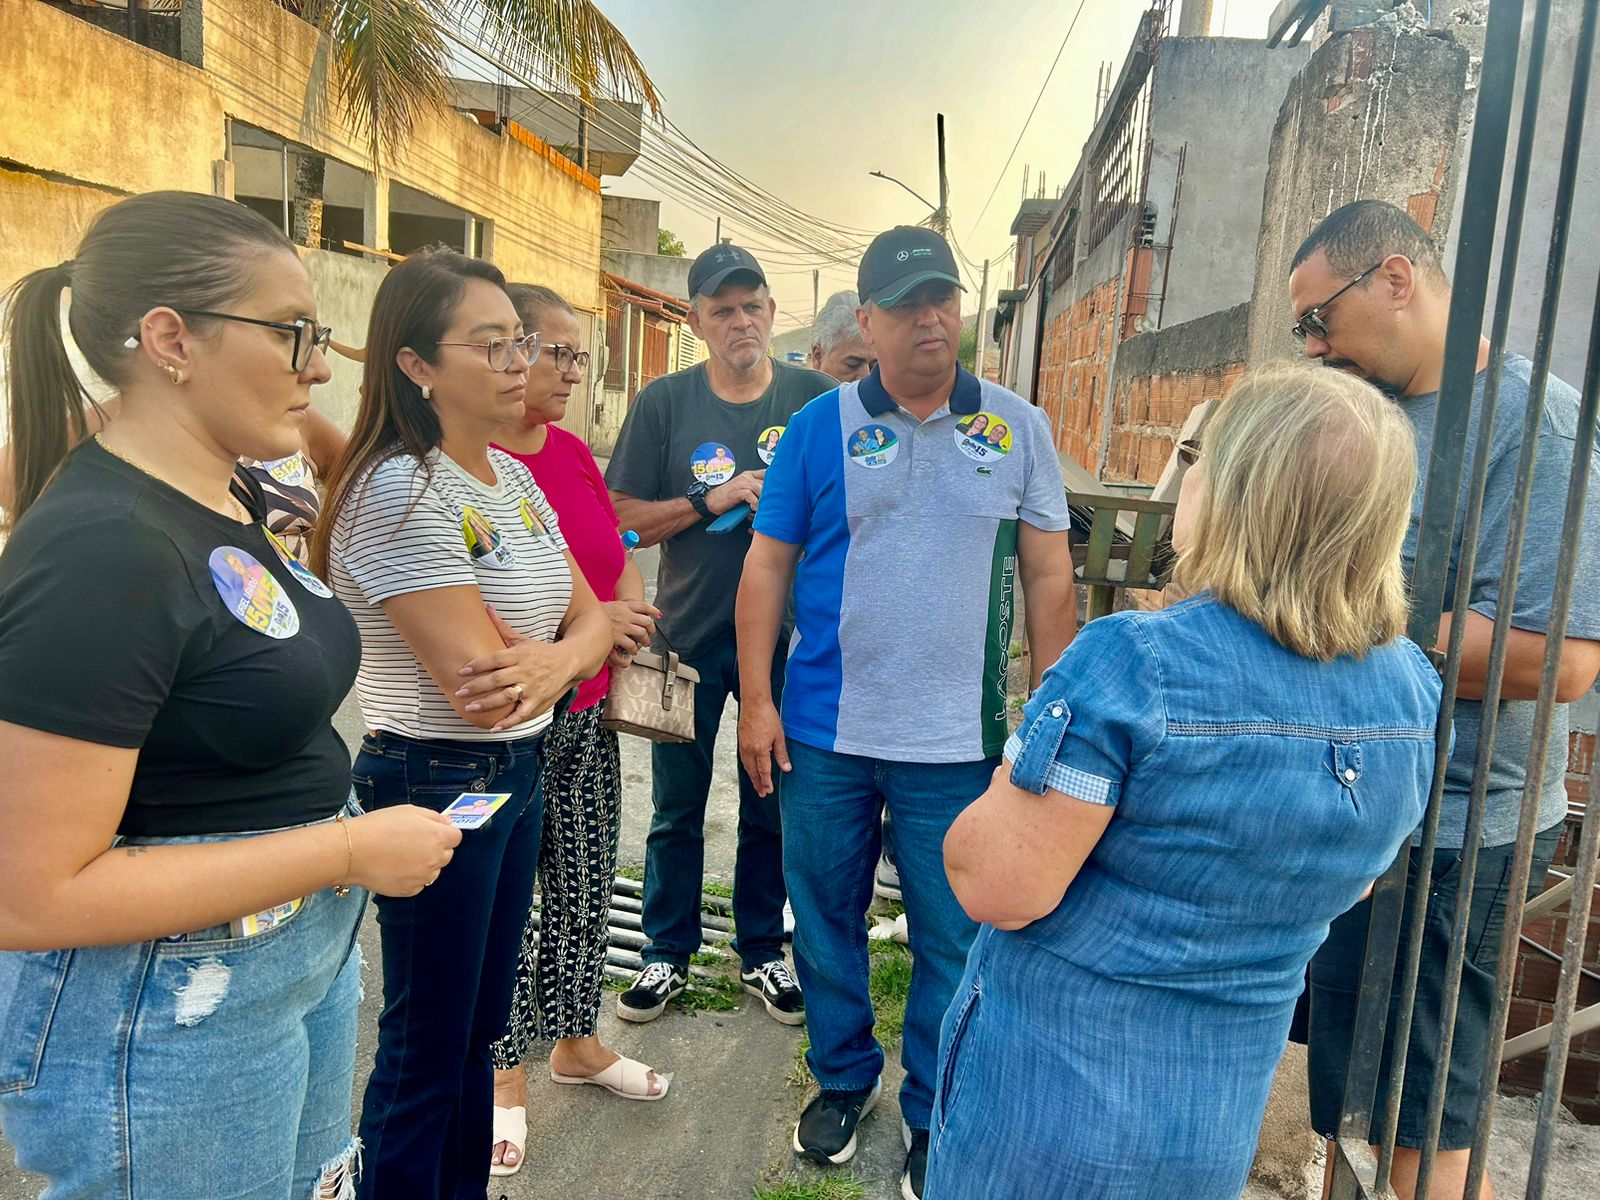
401, 536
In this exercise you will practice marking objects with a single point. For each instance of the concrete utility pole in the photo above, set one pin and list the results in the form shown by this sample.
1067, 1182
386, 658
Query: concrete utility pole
944, 184
719, 232
816, 290
980, 357
1194, 19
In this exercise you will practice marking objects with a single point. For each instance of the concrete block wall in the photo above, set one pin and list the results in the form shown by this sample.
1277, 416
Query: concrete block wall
1161, 376
1534, 989
1148, 414
1073, 357
1377, 114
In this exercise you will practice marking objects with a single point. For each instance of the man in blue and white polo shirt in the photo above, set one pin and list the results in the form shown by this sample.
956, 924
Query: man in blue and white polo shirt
918, 497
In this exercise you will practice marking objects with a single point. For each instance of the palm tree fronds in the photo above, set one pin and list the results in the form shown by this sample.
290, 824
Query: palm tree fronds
571, 41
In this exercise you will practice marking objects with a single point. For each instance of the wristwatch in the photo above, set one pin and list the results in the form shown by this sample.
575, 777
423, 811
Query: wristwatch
696, 495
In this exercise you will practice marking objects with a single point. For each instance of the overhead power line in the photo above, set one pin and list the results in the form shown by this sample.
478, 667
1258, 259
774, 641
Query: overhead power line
1056, 62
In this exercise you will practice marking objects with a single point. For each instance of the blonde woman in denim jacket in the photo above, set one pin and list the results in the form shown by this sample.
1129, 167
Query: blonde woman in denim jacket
1192, 797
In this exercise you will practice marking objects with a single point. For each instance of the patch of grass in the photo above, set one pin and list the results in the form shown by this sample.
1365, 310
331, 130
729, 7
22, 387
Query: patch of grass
1015, 650
826, 1187
633, 871
890, 985
799, 1074
712, 888
708, 958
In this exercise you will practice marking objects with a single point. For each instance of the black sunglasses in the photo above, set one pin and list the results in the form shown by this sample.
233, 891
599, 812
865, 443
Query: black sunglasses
308, 335
1312, 324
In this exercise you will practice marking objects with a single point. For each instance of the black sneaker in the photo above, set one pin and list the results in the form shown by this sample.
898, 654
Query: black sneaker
826, 1132
916, 1171
775, 984
652, 988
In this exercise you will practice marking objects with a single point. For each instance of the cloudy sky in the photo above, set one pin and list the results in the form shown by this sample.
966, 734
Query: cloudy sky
805, 98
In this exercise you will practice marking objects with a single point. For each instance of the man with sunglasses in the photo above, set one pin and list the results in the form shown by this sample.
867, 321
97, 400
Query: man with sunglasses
1370, 297
695, 448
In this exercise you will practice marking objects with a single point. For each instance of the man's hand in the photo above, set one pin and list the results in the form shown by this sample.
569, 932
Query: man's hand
761, 741
743, 488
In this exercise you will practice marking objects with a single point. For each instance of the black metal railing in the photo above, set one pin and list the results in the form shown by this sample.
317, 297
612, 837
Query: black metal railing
1356, 1172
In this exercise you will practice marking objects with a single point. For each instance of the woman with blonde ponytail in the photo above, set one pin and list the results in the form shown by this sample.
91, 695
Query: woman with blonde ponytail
181, 869
1193, 796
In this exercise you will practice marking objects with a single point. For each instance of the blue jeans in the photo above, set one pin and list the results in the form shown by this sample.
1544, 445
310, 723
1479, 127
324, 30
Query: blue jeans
449, 957
832, 806
675, 850
215, 1066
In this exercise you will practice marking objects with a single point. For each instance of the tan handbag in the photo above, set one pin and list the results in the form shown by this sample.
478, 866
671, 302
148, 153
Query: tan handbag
652, 697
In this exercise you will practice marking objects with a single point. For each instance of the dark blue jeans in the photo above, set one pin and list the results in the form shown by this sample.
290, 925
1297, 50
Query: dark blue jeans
675, 852
449, 958
833, 805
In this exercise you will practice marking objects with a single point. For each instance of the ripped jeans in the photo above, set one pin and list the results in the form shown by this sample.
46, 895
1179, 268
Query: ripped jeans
206, 1069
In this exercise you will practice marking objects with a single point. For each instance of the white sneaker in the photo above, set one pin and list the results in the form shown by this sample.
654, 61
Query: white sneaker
886, 881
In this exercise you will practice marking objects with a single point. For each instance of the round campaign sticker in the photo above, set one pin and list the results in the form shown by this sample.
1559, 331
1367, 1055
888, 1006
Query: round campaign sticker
291, 471
712, 463
873, 446
767, 443
534, 522
483, 540
983, 436
299, 570
252, 594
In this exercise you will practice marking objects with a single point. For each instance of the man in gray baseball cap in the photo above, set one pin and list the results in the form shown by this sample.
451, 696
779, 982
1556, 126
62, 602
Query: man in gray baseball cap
694, 448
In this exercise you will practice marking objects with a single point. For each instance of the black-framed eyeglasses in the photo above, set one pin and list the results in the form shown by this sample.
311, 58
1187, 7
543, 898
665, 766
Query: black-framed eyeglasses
502, 351
1311, 323
308, 335
566, 356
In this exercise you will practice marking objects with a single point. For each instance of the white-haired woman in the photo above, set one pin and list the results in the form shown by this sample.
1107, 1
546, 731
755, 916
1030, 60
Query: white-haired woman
1193, 796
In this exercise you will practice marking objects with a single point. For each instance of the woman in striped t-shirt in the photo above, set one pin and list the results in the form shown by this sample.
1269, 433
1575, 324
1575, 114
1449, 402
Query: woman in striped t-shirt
474, 622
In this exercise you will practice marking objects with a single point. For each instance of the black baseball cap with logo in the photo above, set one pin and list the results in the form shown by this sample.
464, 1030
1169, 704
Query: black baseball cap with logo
899, 259
714, 267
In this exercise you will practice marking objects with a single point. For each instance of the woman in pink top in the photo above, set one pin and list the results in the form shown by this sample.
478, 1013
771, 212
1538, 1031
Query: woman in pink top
559, 979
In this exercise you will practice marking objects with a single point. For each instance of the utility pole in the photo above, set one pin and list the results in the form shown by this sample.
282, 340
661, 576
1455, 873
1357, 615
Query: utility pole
944, 184
816, 291
980, 357
719, 231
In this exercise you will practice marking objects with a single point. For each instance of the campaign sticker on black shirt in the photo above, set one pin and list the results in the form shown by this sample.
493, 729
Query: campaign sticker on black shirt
483, 540
767, 443
299, 570
712, 463
251, 594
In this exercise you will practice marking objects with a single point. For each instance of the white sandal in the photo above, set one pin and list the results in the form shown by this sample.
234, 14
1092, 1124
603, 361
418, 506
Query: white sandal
510, 1126
626, 1077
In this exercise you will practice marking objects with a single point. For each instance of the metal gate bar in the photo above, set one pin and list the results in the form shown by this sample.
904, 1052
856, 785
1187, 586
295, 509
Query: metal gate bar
1355, 1172
1583, 879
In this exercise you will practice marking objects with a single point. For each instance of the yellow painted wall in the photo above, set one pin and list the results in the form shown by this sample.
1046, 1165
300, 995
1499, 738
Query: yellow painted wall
104, 112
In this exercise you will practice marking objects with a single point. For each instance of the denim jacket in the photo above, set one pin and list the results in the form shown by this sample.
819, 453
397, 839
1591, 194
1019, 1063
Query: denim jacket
1257, 793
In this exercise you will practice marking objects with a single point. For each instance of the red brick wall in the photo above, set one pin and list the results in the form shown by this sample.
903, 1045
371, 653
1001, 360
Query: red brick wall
1073, 354
1534, 989
1149, 414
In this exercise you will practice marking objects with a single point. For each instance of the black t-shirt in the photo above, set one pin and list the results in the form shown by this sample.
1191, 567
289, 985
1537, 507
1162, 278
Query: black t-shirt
678, 431
118, 597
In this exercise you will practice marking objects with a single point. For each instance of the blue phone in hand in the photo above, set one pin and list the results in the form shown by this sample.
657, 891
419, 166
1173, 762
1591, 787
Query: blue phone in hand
730, 520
